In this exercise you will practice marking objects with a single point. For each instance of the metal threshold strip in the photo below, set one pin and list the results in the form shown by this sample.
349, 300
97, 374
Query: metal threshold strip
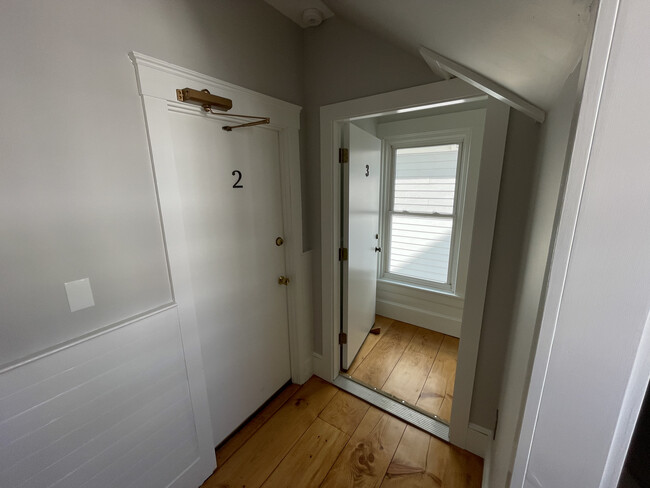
394, 406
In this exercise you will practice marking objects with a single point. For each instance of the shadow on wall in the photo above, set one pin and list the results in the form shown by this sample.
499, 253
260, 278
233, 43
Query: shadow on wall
636, 471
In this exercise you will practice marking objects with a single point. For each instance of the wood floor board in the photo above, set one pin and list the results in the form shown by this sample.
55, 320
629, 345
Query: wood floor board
408, 376
345, 412
438, 391
451, 351
310, 459
449, 347
423, 461
445, 408
426, 342
378, 365
408, 468
412, 363
433, 392
384, 323
254, 461
240, 437
297, 447
463, 469
437, 460
365, 459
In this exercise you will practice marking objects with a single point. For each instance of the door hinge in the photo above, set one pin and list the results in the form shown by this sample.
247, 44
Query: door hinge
343, 338
344, 155
343, 253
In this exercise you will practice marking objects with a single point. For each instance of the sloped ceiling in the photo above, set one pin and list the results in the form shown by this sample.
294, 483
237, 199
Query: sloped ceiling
528, 46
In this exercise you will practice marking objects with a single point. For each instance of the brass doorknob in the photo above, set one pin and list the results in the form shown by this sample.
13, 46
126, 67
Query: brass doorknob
279, 241
283, 280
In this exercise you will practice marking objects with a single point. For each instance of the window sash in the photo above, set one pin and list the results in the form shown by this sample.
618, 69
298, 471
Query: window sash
421, 248
392, 270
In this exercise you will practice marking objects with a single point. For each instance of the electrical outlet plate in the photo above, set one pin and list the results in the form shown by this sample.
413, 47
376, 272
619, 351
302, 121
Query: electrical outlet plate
80, 295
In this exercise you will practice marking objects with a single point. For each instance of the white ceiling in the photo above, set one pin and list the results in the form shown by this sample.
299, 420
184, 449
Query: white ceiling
528, 46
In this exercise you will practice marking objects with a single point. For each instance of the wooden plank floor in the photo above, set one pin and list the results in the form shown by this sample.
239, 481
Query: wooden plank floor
414, 364
319, 436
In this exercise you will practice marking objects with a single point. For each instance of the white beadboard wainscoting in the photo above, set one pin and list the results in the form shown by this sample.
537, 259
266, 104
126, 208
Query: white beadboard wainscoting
112, 410
432, 310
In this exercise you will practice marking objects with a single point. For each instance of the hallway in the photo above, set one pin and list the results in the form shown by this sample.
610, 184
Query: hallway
414, 364
317, 435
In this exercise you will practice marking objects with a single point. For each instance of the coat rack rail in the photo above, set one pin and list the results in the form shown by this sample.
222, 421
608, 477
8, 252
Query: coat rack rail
209, 102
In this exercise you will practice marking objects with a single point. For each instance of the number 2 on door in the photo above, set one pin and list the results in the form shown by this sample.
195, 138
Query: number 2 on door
238, 174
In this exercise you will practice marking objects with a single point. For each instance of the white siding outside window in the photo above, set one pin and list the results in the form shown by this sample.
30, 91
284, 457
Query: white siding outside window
422, 214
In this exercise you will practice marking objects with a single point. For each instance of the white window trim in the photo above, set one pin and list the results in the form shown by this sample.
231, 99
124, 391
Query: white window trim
460, 136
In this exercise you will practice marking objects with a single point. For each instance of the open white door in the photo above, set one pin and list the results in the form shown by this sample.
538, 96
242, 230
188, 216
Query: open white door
361, 180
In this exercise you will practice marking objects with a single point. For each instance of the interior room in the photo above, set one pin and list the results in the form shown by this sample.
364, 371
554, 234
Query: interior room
322, 243
417, 171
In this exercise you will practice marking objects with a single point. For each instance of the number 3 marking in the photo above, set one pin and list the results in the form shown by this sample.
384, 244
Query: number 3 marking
238, 173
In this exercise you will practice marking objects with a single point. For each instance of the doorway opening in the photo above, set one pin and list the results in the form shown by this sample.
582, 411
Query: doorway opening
408, 204
408, 184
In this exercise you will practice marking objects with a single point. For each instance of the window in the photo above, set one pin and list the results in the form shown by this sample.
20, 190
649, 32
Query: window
421, 221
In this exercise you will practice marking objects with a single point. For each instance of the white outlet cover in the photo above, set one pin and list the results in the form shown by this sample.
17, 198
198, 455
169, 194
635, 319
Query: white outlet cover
80, 295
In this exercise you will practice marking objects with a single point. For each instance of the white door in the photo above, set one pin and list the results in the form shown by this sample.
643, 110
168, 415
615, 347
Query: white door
230, 192
361, 178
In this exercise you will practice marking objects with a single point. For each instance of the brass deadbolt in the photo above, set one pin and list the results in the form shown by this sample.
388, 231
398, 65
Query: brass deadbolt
283, 280
279, 241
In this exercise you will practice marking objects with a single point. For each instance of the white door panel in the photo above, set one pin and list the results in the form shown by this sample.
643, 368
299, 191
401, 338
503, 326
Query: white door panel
361, 211
234, 261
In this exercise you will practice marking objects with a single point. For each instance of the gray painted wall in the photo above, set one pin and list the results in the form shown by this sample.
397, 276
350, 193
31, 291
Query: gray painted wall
553, 143
76, 189
517, 180
343, 62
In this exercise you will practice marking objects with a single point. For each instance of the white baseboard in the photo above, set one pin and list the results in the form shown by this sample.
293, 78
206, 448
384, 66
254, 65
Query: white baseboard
321, 368
306, 370
487, 465
304, 310
478, 440
419, 317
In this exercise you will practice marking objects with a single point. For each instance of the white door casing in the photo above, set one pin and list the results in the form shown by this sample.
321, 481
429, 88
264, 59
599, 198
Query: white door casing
158, 82
361, 178
332, 116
